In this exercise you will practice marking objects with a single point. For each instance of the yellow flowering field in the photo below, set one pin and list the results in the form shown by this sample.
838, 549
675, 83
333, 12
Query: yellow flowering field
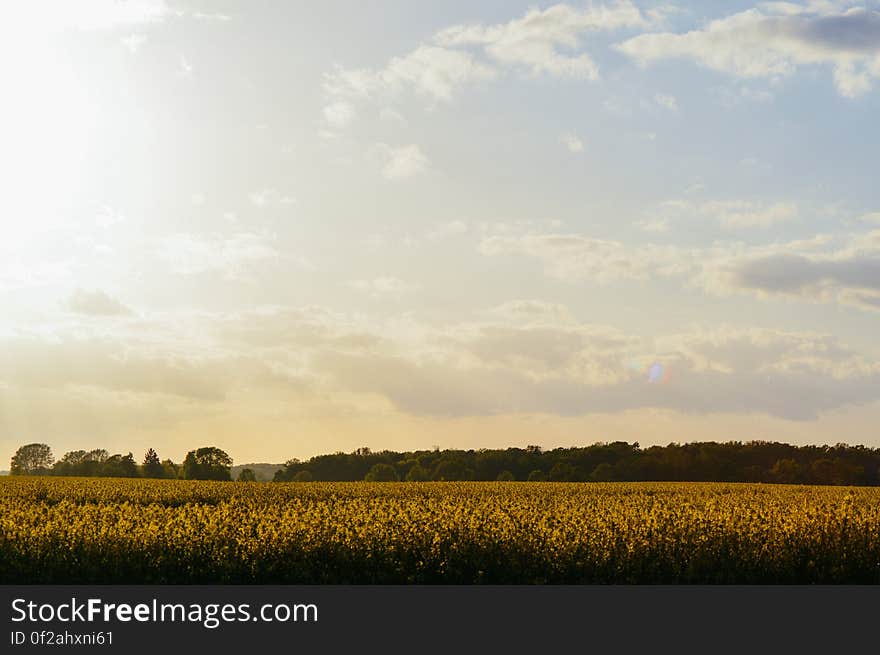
76, 530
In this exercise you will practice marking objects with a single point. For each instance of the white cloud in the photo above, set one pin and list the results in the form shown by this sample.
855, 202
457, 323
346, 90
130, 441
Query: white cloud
400, 162
133, 42
775, 40
431, 71
577, 257
184, 67
268, 197
448, 229
89, 15
49, 16
231, 254
541, 42
739, 214
538, 41
666, 101
572, 142
841, 270
734, 95
381, 286
577, 369
95, 303
527, 311
729, 214
339, 114
655, 225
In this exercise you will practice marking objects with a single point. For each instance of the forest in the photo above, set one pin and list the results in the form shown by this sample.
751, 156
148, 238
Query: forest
753, 461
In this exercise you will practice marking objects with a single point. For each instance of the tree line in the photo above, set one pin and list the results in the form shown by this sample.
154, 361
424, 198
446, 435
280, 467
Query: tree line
754, 461
208, 463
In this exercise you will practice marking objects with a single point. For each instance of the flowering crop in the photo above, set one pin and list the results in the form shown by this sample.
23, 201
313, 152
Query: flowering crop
69, 530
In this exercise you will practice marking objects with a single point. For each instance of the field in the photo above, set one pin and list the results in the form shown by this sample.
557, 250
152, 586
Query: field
142, 531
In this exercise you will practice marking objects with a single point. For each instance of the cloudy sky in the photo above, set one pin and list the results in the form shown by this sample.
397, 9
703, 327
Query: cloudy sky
301, 227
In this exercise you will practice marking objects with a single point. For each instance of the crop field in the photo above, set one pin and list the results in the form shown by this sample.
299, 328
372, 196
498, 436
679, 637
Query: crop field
76, 530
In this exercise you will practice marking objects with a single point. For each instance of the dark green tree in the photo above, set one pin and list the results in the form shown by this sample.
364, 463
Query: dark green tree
537, 476
247, 475
170, 470
152, 466
506, 476
450, 468
418, 473
209, 463
563, 472
32, 459
119, 466
303, 476
786, 471
604, 472
382, 473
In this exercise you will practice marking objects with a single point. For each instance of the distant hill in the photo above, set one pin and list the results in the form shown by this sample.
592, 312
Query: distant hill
4, 472
264, 472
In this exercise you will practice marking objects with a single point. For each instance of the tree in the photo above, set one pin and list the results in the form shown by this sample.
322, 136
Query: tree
170, 470
418, 473
786, 471
563, 472
119, 466
152, 466
71, 463
537, 476
604, 472
506, 476
450, 468
303, 476
32, 459
209, 463
247, 475
382, 473
93, 462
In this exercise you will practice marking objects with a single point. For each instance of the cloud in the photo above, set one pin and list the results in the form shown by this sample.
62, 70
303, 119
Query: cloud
846, 273
99, 15
381, 286
268, 197
231, 254
537, 42
540, 42
71, 363
842, 270
666, 101
184, 68
729, 214
448, 229
400, 162
580, 370
774, 41
434, 72
339, 114
95, 303
90, 15
572, 142
133, 42
655, 225
529, 311
530, 356
577, 257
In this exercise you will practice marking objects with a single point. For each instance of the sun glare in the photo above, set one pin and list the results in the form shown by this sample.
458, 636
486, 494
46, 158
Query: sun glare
46, 132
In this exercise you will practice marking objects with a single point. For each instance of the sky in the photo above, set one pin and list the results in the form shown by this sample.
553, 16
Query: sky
295, 228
